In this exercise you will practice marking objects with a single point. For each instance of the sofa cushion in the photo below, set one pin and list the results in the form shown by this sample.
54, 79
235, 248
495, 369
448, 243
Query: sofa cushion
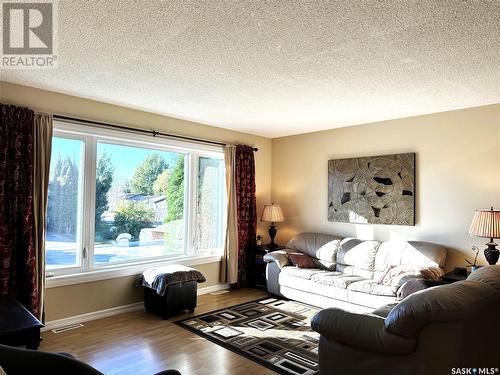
336, 279
328, 291
451, 302
357, 257
301, 260
413, 254
342, 281
355, 271
303, 273
295, 278
327, 254
322, 247
326, 277
371, 287
295, 282
369, 300
345, 280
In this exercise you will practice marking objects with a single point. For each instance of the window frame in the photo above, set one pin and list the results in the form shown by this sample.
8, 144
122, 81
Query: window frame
92, 135
81, 224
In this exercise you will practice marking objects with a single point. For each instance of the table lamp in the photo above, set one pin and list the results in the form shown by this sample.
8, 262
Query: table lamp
486, 223
272, 213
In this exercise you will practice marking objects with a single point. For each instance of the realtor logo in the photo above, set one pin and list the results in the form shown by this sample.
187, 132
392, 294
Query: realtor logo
29, 34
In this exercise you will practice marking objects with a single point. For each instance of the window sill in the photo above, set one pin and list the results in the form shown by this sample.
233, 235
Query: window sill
113, 273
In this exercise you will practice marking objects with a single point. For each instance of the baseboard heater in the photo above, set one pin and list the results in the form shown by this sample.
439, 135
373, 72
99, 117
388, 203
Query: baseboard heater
67, 328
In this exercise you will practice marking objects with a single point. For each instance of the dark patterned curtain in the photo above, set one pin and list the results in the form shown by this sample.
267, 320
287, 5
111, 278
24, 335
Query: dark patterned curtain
246, 206
17, 250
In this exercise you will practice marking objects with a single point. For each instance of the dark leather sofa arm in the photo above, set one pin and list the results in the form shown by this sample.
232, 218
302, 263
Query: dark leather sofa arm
20, 361
361, 331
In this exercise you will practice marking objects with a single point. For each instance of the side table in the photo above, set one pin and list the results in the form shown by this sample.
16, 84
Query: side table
256, 267
17, 325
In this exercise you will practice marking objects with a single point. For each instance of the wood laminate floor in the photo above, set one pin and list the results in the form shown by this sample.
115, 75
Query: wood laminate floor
137, 343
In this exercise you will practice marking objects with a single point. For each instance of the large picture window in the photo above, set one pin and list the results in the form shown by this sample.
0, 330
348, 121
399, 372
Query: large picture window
116, 199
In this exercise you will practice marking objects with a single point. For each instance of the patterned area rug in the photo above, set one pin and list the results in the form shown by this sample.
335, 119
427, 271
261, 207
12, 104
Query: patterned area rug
273, 332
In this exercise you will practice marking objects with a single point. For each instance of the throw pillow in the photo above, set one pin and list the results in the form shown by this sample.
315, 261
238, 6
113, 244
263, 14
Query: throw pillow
396, 272
301, 260
384, 274
398, 275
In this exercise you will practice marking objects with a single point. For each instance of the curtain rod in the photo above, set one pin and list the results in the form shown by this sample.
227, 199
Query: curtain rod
153, 133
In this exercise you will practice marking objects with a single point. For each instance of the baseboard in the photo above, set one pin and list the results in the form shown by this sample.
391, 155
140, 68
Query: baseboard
213, 288
58, 323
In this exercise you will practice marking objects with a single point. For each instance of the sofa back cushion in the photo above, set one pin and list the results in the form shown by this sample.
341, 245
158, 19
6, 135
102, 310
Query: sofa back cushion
413, 254
357, 257
459, 301
322, 247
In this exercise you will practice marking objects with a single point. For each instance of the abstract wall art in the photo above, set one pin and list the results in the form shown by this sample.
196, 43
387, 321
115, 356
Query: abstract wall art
372, 190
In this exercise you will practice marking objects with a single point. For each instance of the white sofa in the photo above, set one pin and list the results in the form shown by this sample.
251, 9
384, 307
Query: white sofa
350, 273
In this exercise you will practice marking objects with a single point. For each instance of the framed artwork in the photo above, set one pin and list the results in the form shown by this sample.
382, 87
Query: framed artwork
372, 190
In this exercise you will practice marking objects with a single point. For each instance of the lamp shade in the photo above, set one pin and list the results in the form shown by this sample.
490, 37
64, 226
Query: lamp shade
486, 223
272, 213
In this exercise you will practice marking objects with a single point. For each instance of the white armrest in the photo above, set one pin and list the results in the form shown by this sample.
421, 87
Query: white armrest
279, 257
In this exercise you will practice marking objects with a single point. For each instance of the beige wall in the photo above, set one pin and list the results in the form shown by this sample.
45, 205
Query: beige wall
458, 170
71, 300
79, 299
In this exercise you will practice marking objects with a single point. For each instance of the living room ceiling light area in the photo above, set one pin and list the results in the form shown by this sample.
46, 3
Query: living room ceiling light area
277, 68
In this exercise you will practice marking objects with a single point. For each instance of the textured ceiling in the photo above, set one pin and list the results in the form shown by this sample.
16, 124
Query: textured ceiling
276, 68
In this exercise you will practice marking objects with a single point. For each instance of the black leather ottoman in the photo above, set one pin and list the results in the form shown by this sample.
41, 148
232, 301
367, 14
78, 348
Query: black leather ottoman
169, 290
177, 298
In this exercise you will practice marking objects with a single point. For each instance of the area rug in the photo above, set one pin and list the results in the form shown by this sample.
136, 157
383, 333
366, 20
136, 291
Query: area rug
273, 332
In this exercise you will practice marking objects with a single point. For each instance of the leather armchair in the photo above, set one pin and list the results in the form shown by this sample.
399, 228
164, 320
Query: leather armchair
429, 332
364, 331
18, 361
